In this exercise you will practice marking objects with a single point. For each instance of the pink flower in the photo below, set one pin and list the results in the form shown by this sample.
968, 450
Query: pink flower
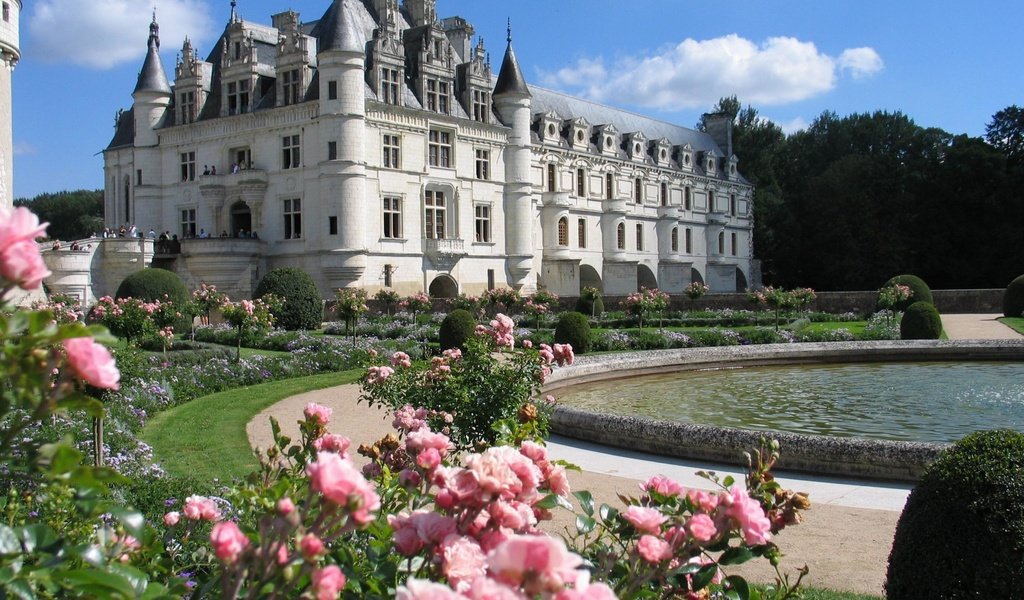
703, 500
201, 508
452, 354
92, 363
407, 540
19, 225
285, 506
377, 375
311, 546
172, 518
428, 459
485, 588
653, 549
538, 561
527, 344
328, 582
502, 472
418, 589
342, 483
662, 485
564, 354
645, 519
332, 442
584, 590
316, 413
424, 439
401, 359
462, 561
701, 527
749, 514
282, 554
20, 260
228, 541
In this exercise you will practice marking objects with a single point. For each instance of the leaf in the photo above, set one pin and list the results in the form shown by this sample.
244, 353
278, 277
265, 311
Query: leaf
548, 502
704, 576
61, 457
608, 513
728, 481
8, 541
735, 556
36, 537
20, 589
586, 501
738, 586
98, 582
585, 524
133, 521
79, 401
138, 580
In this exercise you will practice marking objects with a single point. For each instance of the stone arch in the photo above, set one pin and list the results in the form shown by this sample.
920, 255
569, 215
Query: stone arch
589, 277
645, 277
695, 276
741, 280
443, 286
241, 218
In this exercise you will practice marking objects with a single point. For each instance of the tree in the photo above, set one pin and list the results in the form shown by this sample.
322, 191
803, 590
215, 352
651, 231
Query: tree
72, 215
1006, 133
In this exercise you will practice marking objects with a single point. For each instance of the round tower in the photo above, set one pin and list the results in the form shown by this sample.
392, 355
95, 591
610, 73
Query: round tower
10, 53
152, 93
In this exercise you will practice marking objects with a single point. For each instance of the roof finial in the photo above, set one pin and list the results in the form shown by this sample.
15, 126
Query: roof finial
234, 16
154, 31
509, 38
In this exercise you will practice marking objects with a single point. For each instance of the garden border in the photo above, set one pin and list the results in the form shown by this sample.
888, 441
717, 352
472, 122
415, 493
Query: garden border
821, 455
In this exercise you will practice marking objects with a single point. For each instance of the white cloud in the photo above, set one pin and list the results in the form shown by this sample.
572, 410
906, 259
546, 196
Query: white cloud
103, 33
22, 148
793, 125
696, 74
861, 62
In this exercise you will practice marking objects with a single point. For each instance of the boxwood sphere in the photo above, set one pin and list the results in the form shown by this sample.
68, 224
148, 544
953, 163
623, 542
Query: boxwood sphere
961, 534
590, 307
302, 306
1013, 298
921, 321
150, 285
574, 329
457, 327
919, 291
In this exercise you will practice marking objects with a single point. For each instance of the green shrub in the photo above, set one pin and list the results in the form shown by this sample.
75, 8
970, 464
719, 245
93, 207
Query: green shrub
921, 321
153, 284
1013, 298
302, 304
919, 292
574, 329
590, 302
961, 534
457, 327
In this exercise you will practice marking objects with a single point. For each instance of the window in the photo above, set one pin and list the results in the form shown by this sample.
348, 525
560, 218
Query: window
438, 96
188, 223
620, 236
581, 183
238, 50
481, 106
241, 157
7, 12
392, 218
188, 107
238, 97
439, 149
290, 152
609, 186
732, 243
332, 225
686, 198
551, 178
490, 279
434, 215
292, 219
389, 85
483, 223
689, 241
188, 166
138, 176
732, 204
563, 231
664, 194
711, 201
291, 87
388, 275
675, 239
639, 236
721, 242
483, 164
392, 151
638, 190
581, 233
332, 90
332, 150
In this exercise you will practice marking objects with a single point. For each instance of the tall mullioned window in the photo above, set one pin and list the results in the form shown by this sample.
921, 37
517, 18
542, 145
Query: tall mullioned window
609, 186
439, 148
639, 236
482, 223
438, 96
389, 85
291, 86
689, 241
675, 239
292, 218
481, 106
188, 107
686, 198
483, 164
620, 236
638, 190
238, 96
392, 151
563, 231
188, 166
434, 215
581, 233
581, 182
392, 218
188, 222
664, 194
290, 152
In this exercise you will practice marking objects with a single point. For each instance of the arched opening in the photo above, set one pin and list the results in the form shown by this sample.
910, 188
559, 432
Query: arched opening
241, 219
589, 277
741, 280
695, 276
645, 277
443, 286
563, 231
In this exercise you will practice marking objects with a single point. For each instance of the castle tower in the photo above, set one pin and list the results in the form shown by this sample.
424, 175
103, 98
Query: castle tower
152, 96
10, 53
342, 60
512, 99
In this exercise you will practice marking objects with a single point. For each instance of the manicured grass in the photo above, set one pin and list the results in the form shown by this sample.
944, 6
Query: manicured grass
206, 438
815, 594
1017, 323
854, 327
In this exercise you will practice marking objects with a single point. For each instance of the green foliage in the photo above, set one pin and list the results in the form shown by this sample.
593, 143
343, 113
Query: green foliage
72, 215
590, 302
919, 292
961, 534
456, 328
573, 329
302, 305
153, 284
1006, 133
1013, 298
921, 321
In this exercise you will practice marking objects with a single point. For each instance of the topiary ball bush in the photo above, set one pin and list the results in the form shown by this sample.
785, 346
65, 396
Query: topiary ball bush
921, 321
573, 328
302, 306
961, 534
919, 291
153, 284
457, 327
590, 308
1013, 298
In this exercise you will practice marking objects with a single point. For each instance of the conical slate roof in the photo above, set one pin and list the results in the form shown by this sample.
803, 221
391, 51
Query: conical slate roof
510, 78
152, 77
338, 30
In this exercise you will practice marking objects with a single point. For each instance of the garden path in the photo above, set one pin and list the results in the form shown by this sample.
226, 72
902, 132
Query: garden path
977, 327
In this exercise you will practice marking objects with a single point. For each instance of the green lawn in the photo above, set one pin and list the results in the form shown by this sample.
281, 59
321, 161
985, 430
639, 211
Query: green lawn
206, 438
815, 594
1017, 323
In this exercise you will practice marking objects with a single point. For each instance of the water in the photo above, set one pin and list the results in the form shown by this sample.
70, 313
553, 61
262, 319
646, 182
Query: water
927, 402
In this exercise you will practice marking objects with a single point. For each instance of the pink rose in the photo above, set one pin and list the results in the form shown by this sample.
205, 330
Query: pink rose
484, 588
462, 561
172, 518
702, 500
424, 439
662, 485
228, 541
19, 225
316, 413
285, 506
22, 264
428, 459
332, 442
341, 482
749, 514
92, 363
328, 582
645, 519
418, 589
539, 561
653, 549
702, 527
401, 359
311, 546
201, 508
584, 590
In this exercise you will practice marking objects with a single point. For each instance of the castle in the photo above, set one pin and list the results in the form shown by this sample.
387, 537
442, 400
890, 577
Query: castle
10, 54
375, 147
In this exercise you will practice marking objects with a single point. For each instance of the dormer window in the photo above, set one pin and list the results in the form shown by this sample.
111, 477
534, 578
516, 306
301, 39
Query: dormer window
238, 50
291, 87
438, 96
481, 106
686, 159
638, 150
389, 85
188, 107
551, 130
711, 165
238, 96
580, 136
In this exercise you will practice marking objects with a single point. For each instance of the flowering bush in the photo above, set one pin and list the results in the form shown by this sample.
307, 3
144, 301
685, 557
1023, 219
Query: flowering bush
249, 315
782, 300
696, 290
893, 295
65, 309
351, 303
417, 303
646, 301
467, 303
388, 298
205, 300
128, 318
505, 298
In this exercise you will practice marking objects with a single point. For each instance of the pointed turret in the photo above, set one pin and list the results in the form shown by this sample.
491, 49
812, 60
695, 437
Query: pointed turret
339, 31
510, 78
152, 77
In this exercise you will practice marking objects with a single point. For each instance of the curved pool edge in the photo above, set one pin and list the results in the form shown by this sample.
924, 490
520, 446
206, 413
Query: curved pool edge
820, 455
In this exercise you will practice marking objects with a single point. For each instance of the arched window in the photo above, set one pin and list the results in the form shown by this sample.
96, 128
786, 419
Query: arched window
563, 231
620, 235
675, 239
581, 232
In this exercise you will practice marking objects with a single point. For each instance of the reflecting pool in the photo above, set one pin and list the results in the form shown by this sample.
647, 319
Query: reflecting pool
914, 401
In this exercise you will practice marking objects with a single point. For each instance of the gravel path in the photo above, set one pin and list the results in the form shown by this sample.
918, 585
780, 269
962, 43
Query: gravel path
977, 327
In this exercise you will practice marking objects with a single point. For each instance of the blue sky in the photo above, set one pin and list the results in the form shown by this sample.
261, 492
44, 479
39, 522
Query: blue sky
945, 64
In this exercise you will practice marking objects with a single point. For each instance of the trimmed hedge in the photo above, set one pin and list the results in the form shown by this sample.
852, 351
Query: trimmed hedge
1013, 298
919, 291
457, 327
153, 284
921, 321
961, 534
573, 329
302, 306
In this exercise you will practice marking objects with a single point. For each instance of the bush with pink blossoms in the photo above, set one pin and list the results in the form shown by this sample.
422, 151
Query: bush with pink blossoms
645, 302
250, 316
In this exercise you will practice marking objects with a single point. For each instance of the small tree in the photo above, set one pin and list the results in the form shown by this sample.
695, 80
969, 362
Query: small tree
206, 298
351, 303
540, 304
388, 298
501, 299
645, 302
250, 316
417, 303
590, 302
696, 290
891, 296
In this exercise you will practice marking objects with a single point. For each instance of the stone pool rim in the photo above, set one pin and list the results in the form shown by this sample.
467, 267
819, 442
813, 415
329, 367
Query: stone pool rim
816, 454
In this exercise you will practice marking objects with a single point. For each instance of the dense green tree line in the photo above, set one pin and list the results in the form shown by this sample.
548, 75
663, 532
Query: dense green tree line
850, 201
72, 215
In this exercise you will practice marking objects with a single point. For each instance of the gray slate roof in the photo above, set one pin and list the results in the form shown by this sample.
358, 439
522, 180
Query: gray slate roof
510, 78
152, 77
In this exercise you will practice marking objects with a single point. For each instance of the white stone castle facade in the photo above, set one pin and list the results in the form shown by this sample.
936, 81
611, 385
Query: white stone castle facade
376, 148
10, 54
